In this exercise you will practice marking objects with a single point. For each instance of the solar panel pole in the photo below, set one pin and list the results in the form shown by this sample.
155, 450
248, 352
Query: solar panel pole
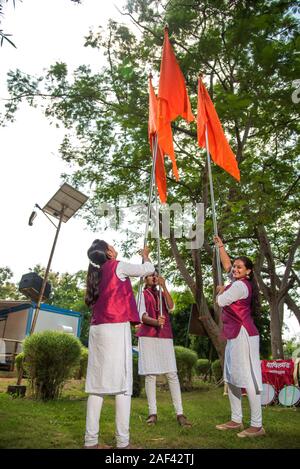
37, 310
63, 205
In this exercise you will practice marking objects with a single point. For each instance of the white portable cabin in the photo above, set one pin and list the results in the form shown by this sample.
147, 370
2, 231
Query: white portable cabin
15, 323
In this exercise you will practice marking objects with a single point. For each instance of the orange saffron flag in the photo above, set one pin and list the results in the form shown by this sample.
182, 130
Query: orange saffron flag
219, 148
173, 100
160, 173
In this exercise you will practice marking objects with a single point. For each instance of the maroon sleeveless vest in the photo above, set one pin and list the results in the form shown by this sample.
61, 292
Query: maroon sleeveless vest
153, 311
116, 302
238, 314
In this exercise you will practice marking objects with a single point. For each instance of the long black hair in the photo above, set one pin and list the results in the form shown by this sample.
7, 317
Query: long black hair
97, 256
255, 303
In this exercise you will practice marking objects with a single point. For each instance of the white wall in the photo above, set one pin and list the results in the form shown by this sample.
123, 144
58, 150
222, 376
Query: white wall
15, 329
16, 325
2, 326
54, 321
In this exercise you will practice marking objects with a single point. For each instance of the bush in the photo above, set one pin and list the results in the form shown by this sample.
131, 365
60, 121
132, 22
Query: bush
80, 371
186, 360
21, 365
217, 370
137, 379
50, 359
19, 362
202, 366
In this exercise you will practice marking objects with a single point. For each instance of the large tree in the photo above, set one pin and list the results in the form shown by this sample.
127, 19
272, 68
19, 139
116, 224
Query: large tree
8, 289
245, 51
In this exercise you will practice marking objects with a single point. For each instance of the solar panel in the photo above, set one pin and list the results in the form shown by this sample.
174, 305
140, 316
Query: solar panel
69, 198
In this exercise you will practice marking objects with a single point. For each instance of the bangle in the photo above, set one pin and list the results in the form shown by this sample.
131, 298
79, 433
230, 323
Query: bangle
221, 246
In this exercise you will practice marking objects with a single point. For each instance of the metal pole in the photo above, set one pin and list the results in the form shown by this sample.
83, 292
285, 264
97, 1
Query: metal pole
154, 157
20, 376
213, 207
158, 251
46, 273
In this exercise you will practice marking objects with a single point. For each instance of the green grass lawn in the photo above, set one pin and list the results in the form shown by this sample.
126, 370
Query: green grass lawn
25, 423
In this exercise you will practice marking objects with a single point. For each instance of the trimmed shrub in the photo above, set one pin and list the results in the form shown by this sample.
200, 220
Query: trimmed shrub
80, 371
20, 364
50, 358
137, 379
217, 370
202, 366
186, 360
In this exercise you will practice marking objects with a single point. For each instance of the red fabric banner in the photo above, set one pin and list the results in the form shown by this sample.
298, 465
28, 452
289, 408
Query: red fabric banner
278, 373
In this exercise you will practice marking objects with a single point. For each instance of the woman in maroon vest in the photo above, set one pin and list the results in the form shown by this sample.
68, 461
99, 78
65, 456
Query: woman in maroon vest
109, 295
156, 349
242, 369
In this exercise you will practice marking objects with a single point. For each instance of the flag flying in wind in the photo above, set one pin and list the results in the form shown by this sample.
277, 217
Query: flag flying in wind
219, 148
160, 174
173, 100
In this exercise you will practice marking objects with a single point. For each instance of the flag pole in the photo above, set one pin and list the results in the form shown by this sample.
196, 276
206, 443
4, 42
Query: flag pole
215, 226
154, 157
158, 252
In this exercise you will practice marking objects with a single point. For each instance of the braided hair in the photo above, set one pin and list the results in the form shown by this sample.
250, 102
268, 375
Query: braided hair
97, 256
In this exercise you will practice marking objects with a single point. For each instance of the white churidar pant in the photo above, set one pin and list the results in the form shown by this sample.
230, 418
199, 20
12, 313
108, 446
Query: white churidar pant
174, 386
109, 372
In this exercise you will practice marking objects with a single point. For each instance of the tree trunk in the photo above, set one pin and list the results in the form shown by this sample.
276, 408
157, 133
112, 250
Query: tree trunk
288, 300
281, 313
271, 293
211, 327
196, 286
213, 333
276, 339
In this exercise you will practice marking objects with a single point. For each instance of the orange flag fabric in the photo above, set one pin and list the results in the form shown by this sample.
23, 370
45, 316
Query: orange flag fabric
160, 173
172, 93
173, 100
219, 148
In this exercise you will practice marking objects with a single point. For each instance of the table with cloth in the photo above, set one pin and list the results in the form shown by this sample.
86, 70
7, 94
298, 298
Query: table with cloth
278, 373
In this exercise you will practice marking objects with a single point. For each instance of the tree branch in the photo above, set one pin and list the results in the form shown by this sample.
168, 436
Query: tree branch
291, 188
283, 290
289, 301
289, 263
263, 287
137, 23
181, 265
267, 252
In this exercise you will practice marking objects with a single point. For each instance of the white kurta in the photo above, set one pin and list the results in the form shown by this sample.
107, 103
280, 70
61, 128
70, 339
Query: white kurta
109, 368
242, 361
156, 356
